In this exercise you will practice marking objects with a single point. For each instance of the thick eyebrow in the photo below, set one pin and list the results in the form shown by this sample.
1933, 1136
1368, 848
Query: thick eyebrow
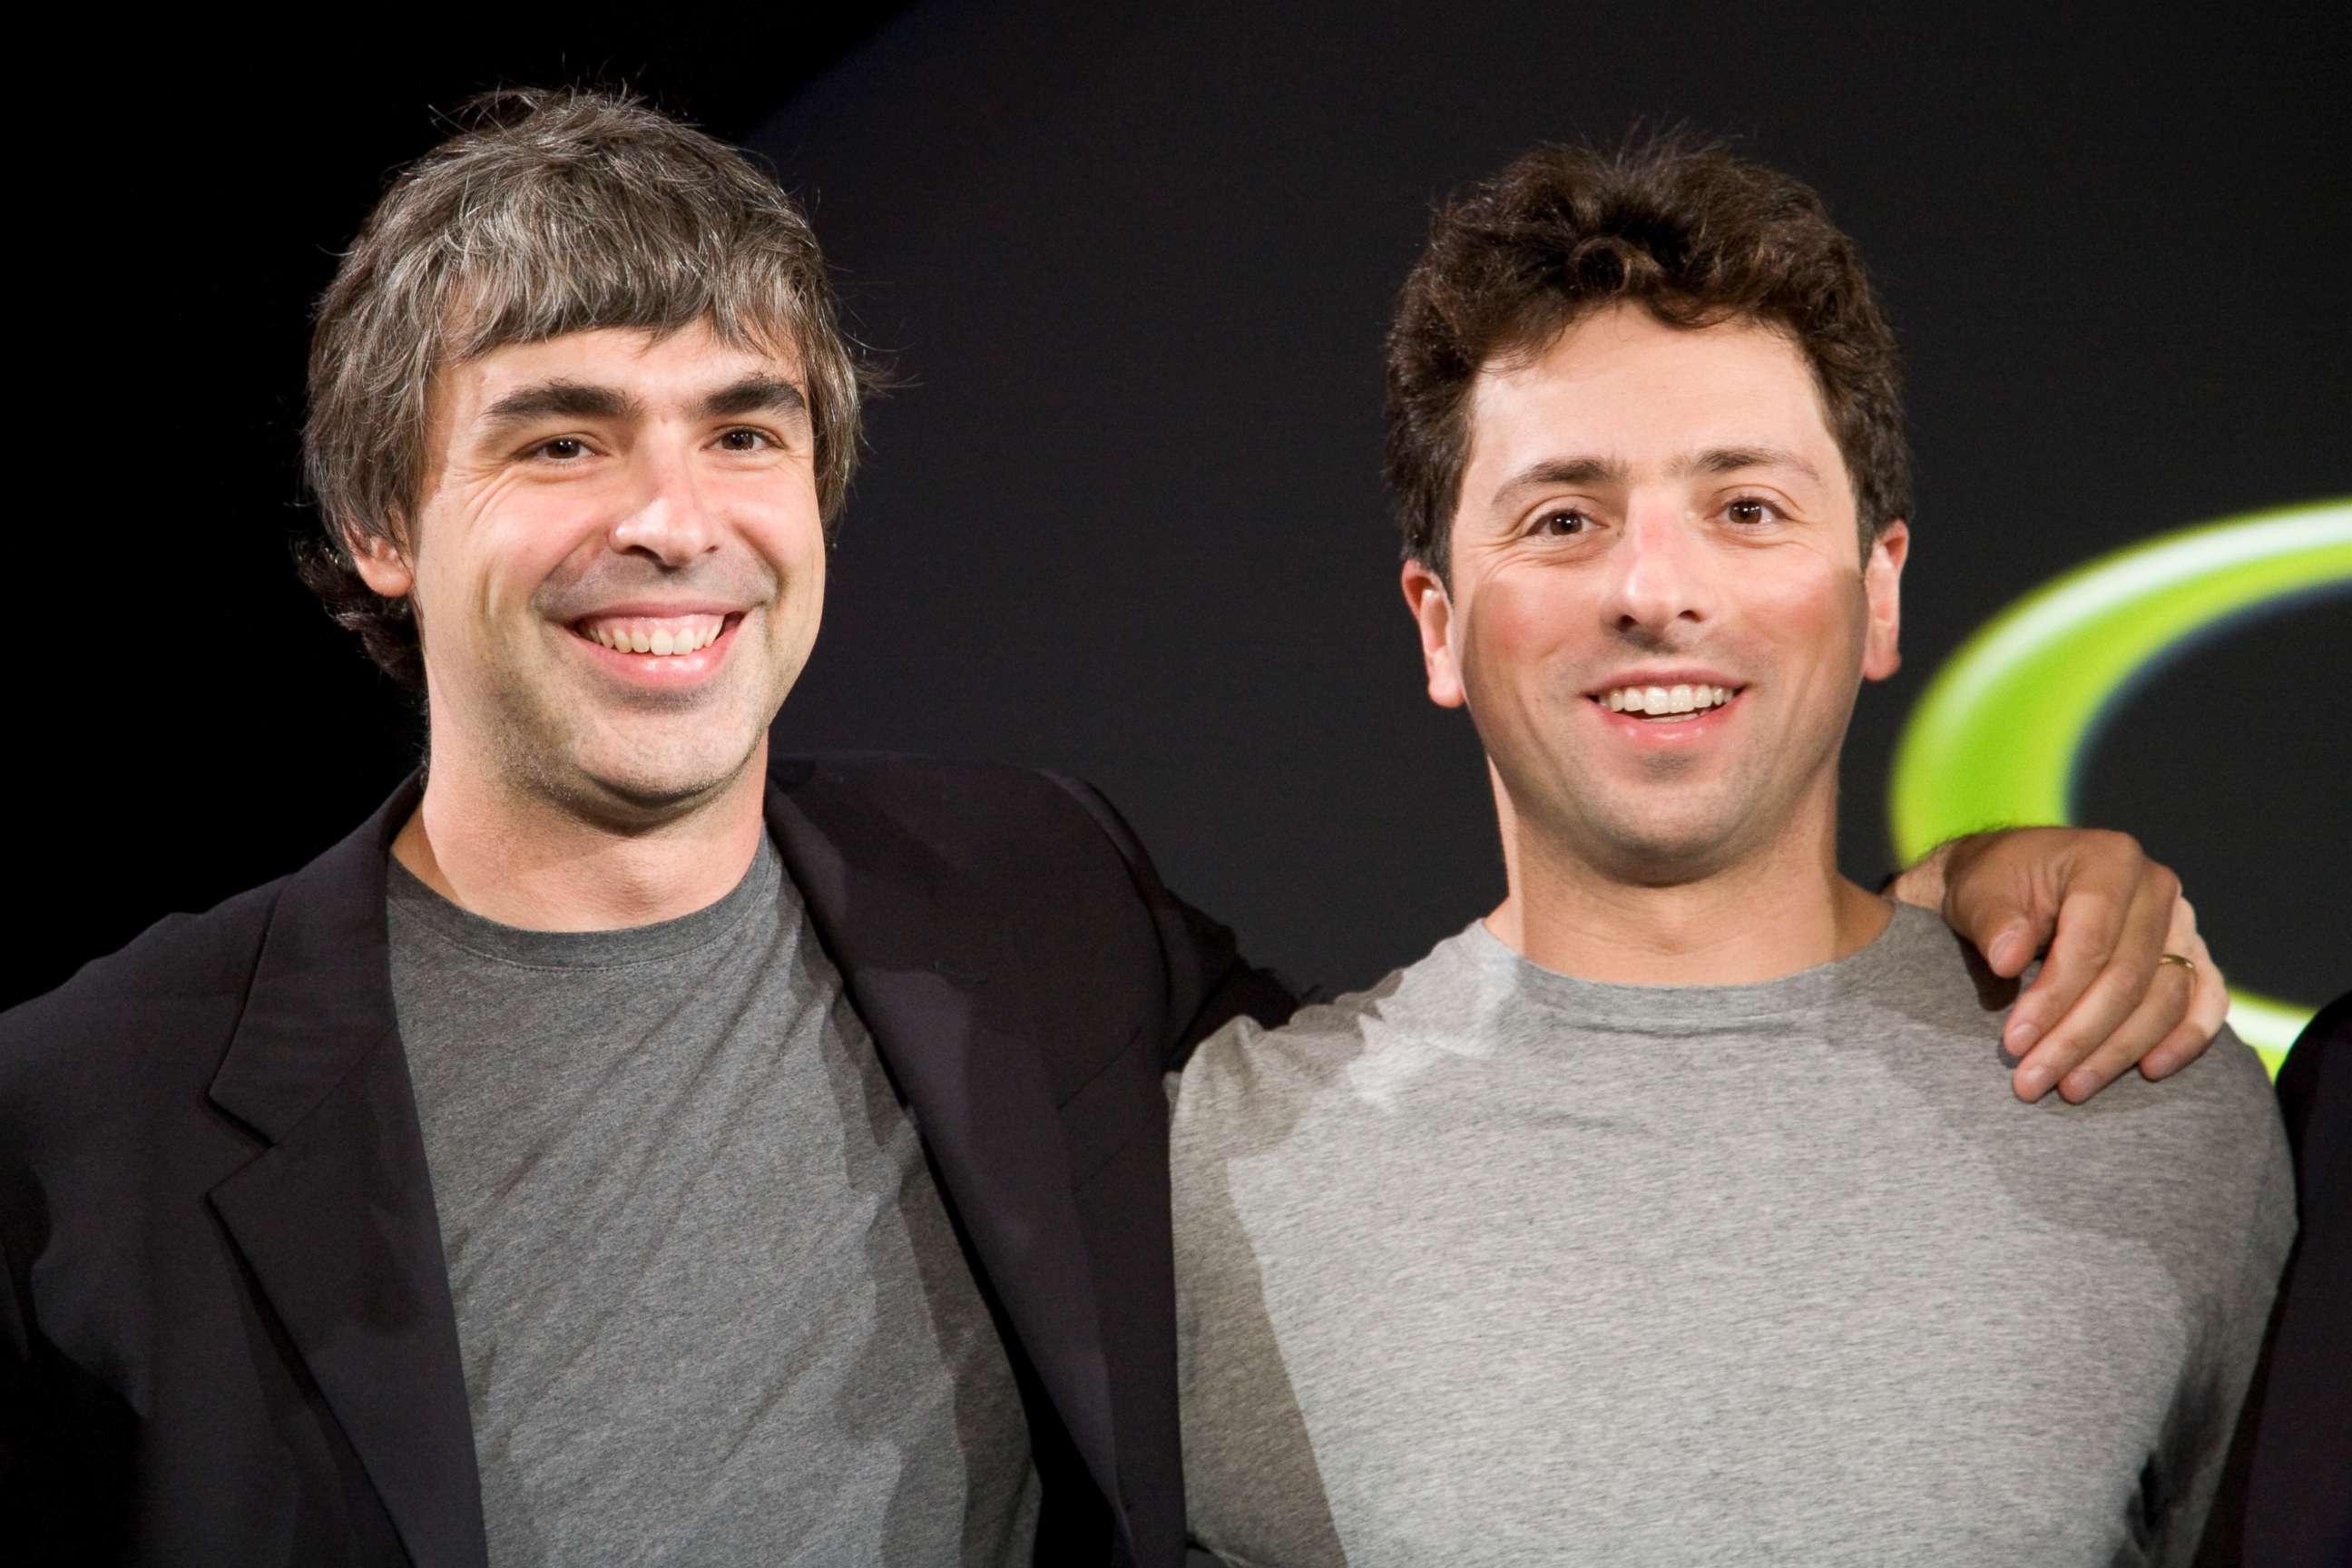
556, 400
1719, 461
1581, 471
756, 394
1584, 471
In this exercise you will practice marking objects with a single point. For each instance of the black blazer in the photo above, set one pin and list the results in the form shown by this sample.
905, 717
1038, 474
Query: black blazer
2288, 1504
226, 1334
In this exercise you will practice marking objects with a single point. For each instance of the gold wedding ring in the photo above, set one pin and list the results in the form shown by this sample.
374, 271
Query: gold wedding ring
2186, 962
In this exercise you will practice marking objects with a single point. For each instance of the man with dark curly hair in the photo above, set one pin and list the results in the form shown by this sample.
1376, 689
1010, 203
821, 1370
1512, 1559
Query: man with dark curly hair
1670, 1213
629, 1144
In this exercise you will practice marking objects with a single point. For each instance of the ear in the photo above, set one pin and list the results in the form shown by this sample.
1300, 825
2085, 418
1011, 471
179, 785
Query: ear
383, 564
1433, 611
1882, 586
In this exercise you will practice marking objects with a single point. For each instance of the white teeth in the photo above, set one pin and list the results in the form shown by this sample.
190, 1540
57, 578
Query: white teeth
1664, 699
679, 634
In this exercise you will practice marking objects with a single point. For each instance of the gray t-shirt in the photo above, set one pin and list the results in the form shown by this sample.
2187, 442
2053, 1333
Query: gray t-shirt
710, 1305
1491, 1265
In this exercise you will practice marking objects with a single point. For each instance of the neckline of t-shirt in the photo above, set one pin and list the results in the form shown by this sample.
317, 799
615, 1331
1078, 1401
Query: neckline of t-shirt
517, 947
1666, 1007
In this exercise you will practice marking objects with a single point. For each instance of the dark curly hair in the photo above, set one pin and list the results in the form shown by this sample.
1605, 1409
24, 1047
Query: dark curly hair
1695, 234
548, 213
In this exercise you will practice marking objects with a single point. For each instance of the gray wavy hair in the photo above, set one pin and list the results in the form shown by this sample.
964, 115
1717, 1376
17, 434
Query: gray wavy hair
548, 212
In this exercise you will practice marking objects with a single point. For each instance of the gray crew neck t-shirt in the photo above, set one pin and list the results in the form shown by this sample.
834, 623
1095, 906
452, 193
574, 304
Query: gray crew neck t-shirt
710, 1305
1491, 1265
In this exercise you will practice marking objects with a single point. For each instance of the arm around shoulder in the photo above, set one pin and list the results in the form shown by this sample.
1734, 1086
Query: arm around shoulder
1210, 982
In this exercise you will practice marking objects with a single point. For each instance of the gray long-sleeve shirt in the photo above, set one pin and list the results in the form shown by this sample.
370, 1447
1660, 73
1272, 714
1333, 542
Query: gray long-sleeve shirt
1490, 1266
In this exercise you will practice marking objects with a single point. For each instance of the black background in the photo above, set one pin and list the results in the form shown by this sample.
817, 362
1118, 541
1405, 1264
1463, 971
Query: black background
1125, 518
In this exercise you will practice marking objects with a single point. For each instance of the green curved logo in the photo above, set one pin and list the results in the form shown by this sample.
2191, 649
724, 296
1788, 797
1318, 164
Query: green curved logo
1999, 733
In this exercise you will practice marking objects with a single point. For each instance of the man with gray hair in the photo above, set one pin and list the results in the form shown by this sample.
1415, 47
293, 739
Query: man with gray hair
626, 1145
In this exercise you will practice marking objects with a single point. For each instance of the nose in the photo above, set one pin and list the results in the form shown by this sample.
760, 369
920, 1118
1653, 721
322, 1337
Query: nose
667, 517
1660, 574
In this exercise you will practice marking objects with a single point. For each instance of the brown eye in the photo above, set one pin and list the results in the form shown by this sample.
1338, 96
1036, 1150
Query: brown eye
1565, 520
743, 440
563, 449
1750, 512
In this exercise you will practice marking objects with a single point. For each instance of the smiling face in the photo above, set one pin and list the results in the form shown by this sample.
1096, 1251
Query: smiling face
617, 566
1655, 518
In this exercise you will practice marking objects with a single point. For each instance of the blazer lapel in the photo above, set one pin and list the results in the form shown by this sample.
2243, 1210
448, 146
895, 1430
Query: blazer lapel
336, 1219
916, 942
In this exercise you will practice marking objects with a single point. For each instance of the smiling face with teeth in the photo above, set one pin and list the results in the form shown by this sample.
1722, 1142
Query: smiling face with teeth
1658, 611
617, 567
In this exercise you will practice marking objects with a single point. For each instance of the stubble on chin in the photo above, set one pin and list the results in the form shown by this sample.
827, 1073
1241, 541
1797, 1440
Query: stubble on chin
1669, 829
656, 759
1655, 854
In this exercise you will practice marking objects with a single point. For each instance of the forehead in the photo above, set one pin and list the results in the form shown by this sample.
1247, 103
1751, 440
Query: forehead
658, 369
1622, 384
